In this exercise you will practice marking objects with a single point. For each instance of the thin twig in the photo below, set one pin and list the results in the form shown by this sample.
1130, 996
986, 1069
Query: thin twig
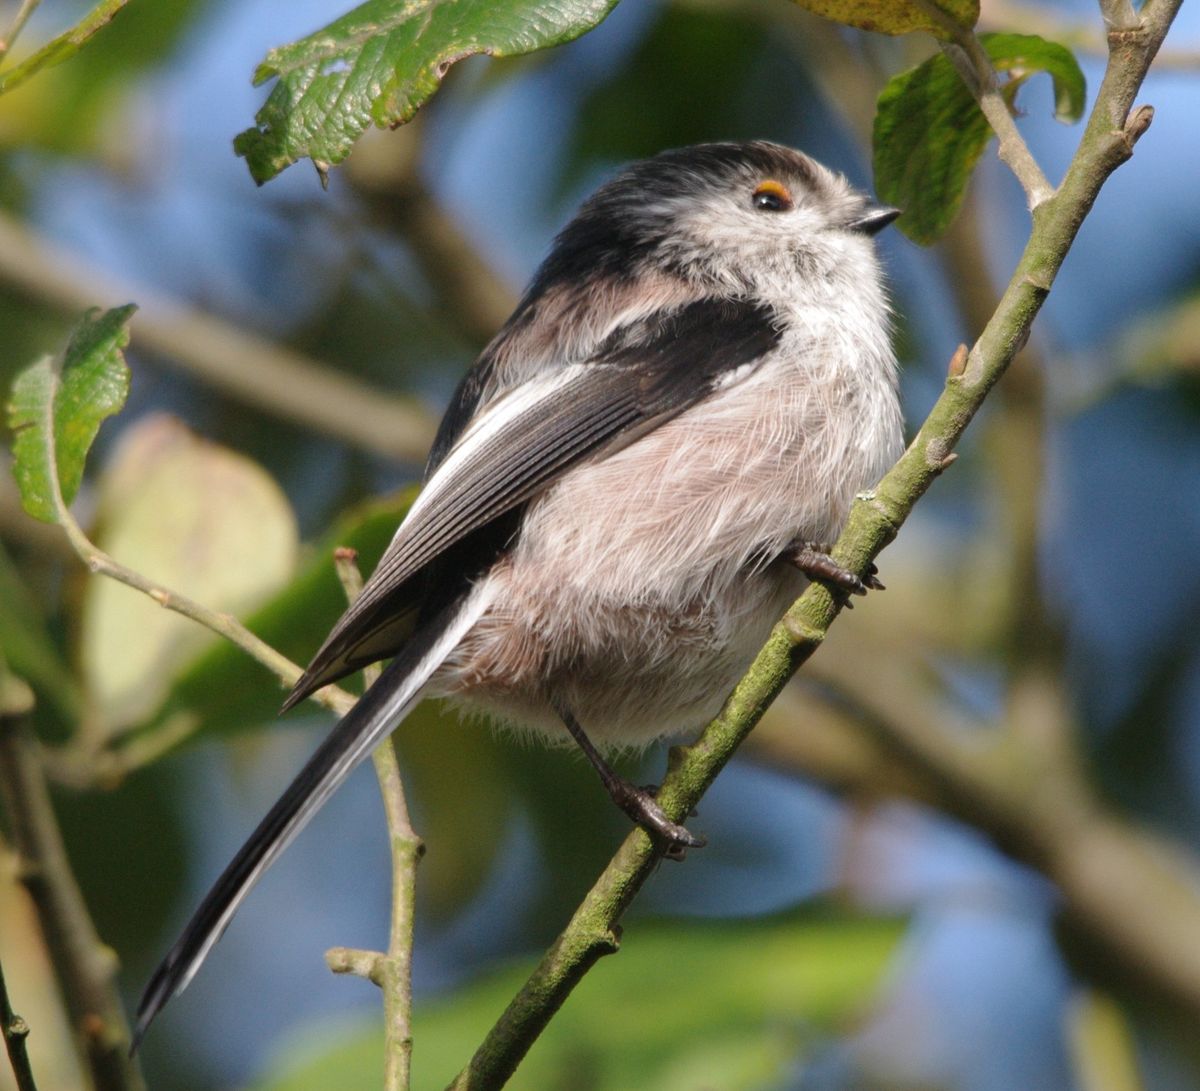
874, 521
15, 1031
261, 373
964, 50
26, 9
223, 624
391, 971
83, 965
975, 67
63, 47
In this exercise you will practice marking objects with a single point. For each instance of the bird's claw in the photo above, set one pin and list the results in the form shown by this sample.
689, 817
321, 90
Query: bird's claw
641, 806
817, 564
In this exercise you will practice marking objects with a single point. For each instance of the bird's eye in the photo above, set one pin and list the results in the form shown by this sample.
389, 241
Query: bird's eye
772, 196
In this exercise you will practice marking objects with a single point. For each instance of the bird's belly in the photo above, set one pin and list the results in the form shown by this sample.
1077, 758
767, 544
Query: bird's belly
631, 670
643, 584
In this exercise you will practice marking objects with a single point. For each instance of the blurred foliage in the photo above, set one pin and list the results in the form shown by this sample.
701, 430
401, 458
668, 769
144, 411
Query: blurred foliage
710, 54
938, 17
930, 133
684, 1004
1163, 349
162, 487
131, 852
74, 110
29, 649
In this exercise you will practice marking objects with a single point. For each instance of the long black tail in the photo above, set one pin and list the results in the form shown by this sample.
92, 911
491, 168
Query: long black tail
392, 696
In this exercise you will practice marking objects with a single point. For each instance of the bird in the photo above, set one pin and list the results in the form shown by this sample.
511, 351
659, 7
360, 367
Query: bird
640, 472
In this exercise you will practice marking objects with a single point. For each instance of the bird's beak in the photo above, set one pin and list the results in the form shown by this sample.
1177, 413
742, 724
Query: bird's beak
874, 220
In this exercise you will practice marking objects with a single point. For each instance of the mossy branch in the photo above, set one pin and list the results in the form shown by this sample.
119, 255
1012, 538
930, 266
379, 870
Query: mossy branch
1112, 130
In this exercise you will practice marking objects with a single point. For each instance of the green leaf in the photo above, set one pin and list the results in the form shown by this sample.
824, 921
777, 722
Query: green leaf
195, 517
938, 17
684, 1005
380, 62
57, 407
930, 132
1022, 55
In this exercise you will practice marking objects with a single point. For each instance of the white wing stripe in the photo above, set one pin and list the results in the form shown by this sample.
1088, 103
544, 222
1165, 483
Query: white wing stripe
484, 431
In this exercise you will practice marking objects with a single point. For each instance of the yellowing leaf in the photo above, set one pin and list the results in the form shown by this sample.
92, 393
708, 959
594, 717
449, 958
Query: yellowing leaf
938, 17
198, 518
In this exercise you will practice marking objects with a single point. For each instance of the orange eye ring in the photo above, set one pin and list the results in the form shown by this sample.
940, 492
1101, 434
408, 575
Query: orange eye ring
771, 196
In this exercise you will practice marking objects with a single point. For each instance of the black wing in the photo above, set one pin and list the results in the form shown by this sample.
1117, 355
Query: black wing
645, 373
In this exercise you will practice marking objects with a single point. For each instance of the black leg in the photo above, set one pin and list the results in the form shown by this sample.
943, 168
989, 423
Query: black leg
817, 564
638, 803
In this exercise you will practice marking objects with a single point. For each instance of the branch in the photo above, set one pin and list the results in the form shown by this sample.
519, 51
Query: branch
964, 50
15, 1031
243, 365
874, 521
26, 9
83, 965
391, 971
975, 67
104, 765
1118, 14
1001, 15
59, 49
1078, 36
226, 625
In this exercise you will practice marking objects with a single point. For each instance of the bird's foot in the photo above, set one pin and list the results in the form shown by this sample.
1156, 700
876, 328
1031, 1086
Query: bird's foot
641, 806
816, 563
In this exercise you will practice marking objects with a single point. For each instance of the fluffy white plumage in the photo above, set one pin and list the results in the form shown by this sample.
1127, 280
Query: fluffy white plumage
643, 583
698, 378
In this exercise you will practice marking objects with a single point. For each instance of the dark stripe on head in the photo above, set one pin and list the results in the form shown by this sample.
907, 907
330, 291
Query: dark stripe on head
620, 224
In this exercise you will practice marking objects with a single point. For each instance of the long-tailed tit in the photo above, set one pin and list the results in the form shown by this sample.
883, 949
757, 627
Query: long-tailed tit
629, 486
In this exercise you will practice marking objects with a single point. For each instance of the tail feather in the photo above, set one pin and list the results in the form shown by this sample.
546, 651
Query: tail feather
391, 698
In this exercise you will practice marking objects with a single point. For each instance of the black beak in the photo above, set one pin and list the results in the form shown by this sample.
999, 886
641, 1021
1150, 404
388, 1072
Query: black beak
874, 220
